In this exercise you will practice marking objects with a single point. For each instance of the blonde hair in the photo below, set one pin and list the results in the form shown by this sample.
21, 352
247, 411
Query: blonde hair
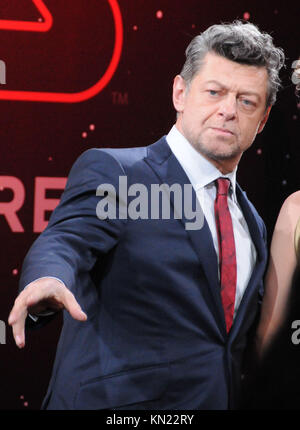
297, 75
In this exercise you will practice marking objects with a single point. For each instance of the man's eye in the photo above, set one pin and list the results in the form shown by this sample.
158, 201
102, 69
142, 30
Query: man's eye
213, 92
248, 103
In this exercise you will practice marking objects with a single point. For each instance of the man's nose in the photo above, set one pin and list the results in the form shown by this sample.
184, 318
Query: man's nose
228, 107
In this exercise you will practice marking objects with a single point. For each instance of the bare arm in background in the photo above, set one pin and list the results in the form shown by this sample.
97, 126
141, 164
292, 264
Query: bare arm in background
280, 272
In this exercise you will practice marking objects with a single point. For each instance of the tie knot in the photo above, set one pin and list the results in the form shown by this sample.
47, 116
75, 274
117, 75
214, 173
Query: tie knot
223, 186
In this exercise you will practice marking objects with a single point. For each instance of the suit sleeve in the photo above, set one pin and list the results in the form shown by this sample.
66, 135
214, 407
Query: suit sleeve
75, 237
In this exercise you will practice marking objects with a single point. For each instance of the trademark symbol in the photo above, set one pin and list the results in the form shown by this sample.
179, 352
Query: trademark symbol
119, 98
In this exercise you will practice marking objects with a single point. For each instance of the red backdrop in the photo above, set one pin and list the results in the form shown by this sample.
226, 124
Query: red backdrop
98, 73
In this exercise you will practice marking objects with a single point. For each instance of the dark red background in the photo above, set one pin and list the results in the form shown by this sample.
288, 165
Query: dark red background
134, 109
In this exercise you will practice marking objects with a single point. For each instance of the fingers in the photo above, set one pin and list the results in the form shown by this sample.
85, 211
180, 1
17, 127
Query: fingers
17, 319
72, 306
18, 330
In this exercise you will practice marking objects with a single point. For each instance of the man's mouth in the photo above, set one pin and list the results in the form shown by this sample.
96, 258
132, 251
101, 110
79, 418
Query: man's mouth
223, 131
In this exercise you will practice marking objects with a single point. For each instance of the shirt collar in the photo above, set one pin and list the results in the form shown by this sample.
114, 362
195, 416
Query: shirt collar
199, 170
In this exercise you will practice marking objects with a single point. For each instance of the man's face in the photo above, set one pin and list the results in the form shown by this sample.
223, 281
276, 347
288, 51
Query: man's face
222, 109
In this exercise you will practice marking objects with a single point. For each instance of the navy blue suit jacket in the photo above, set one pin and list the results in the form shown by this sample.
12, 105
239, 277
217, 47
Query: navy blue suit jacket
155, 337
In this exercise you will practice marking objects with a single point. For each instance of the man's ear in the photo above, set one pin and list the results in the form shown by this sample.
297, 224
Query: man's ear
264, 120
179, 87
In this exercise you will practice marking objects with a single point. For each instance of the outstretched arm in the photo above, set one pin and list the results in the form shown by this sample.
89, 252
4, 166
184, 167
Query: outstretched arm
280, 272
71, 244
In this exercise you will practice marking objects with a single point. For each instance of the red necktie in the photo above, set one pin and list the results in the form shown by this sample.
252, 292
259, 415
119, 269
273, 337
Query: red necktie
227, 255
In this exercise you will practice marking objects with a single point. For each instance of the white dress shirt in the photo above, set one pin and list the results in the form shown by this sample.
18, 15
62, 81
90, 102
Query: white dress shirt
202, 175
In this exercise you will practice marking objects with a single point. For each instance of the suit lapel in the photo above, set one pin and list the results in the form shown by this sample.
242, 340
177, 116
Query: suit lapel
259, 268
169, 171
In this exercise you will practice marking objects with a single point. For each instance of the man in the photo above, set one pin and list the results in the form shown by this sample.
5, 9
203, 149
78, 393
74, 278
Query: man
167, 310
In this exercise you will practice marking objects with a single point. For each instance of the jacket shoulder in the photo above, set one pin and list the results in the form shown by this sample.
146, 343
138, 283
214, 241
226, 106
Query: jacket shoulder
126, 157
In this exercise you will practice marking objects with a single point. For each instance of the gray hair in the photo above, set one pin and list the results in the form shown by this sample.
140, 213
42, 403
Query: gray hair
296, 75
243, 43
